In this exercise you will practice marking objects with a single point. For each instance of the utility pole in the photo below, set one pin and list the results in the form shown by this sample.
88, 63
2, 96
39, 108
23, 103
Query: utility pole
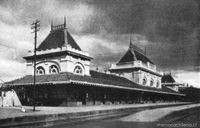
2, 92
35, 27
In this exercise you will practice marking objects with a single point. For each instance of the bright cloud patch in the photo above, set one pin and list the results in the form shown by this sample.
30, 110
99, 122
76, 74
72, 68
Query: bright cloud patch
192, 78
11, 69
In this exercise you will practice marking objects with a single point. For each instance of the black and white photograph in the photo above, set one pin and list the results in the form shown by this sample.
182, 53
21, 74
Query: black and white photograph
99, 63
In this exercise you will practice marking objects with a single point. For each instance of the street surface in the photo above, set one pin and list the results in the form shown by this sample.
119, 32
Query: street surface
155, 114
143, 119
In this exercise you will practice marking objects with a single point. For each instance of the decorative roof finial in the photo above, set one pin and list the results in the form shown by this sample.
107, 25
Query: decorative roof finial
130, 45
64, 21
51, 24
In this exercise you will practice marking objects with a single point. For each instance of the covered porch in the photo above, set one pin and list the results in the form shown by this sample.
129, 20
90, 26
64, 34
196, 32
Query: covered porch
78, 94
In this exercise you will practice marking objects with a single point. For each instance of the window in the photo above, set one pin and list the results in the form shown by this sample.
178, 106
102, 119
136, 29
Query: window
40, 71
53, 69
157, 84
144, 82
133, 75
151, 83
78, 70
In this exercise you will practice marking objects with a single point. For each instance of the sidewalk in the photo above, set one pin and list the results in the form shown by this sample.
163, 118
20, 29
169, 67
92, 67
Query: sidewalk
12, 116
11, 112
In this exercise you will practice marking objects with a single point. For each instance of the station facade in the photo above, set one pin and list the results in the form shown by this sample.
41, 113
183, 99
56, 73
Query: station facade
64, 77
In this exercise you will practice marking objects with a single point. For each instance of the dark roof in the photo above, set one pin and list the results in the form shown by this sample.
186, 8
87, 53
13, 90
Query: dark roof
134, 53
192, 93
57, 39
167, 78
128, 57
96, 78
142, 57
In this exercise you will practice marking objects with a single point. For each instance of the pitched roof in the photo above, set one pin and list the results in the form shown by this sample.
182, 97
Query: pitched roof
57, 39
128, 57
167, 78
96, 79
134, 53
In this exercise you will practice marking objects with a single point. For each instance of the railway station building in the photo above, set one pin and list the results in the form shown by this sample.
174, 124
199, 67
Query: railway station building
64, 77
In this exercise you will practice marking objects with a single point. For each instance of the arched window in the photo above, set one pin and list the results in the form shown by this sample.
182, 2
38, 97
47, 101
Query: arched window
151, 82
53, 69
78, 69
144, 81
157, 84
40, 71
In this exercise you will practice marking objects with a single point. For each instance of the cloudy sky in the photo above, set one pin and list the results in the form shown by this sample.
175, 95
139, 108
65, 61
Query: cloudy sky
169, 29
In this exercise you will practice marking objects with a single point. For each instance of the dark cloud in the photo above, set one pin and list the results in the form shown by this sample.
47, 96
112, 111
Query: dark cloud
105, 57
173, 25
139, 15
170, 27
118, 16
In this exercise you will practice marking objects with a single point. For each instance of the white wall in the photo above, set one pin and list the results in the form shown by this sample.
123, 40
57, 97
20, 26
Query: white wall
137, 77
9, 98
65, 64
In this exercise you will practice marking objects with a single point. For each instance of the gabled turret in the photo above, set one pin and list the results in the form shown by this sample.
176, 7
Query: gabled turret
59, 52
134, 54
136, 66
58, 37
